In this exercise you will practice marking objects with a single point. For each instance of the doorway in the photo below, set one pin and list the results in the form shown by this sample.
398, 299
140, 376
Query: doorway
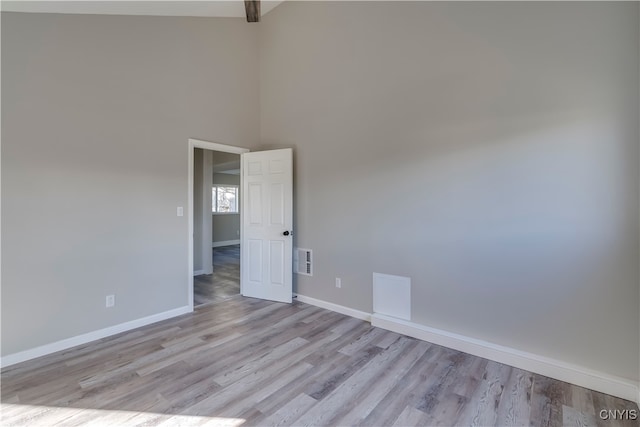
216, 226
214, 222
266, 221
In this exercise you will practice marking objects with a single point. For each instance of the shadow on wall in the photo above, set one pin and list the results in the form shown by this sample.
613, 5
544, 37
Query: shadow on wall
513, 219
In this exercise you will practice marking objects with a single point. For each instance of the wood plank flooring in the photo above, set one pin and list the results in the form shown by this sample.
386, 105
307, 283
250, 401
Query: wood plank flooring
225, 280
246, 362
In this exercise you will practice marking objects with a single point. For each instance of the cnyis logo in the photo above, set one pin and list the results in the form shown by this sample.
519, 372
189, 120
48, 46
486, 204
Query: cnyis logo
618, 414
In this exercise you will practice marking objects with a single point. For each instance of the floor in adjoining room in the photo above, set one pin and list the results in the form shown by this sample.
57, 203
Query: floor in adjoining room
225, 280
249, 362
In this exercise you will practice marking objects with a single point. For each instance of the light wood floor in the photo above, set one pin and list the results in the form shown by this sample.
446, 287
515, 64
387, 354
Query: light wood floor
244, 361
225, 280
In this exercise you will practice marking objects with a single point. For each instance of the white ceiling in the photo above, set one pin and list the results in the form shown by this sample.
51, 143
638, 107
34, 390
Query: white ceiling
218, 8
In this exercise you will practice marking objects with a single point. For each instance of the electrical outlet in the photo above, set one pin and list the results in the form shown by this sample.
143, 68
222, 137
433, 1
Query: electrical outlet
111, 301
338, 282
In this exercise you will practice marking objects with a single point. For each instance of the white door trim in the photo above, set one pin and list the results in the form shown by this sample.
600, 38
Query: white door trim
206, 145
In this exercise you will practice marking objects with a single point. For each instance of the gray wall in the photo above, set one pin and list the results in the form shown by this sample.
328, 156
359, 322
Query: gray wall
198, 166
226, 226
202, 222
487, 150
96, 113
225, 178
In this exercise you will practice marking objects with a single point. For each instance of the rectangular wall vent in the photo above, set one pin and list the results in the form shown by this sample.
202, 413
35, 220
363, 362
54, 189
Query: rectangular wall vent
392, 295
303, 261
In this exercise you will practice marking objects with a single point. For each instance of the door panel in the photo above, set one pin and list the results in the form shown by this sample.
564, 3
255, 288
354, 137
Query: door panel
267, 198
255, 203
277, 205
254, 168
254, 261
276, 264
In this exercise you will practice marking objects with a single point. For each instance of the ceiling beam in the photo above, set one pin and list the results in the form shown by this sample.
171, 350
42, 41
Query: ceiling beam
252, 8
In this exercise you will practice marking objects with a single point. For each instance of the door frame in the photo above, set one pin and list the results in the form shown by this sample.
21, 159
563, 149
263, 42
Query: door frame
205, 145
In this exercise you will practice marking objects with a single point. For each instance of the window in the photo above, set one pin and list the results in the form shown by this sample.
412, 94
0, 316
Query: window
224, 199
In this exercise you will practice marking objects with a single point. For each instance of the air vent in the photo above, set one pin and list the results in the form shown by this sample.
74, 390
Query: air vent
303, 261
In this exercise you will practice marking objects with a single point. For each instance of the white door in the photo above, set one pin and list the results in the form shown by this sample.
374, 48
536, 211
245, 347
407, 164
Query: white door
267, 220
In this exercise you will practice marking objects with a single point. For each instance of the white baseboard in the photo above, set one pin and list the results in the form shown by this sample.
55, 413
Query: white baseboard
574, 374
198, 272
553, 368
225, 243
43, 350
335, 307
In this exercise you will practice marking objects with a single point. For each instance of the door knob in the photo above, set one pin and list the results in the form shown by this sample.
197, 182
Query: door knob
286, 233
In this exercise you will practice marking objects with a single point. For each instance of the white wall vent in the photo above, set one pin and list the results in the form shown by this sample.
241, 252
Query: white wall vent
303, 261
